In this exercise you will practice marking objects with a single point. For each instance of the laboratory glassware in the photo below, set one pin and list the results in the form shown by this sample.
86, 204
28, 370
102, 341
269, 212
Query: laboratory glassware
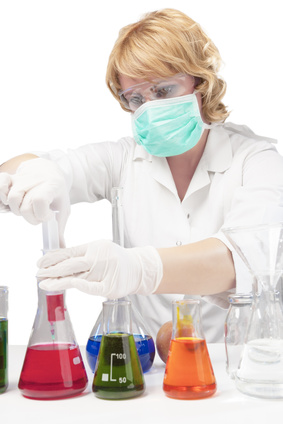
235, 329
188, 371
118, 373
260, 371
53, 367
3, 338
144, 341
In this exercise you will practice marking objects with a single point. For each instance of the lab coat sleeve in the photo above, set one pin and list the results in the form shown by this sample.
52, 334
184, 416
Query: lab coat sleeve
258, 200
244, 278
92, 170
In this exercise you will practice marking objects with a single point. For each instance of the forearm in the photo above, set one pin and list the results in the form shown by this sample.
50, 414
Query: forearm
12, 164
202, 268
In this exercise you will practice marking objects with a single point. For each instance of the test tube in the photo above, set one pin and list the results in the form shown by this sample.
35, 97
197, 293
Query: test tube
50, 234
117, 216
55, 300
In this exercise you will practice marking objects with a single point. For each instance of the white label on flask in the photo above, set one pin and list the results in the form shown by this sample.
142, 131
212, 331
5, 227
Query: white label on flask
76, 360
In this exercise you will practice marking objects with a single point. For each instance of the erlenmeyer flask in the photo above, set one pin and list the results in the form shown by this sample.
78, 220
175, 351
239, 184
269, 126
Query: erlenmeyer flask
53, 367
118, 373
188, 372
260, 371
144, 342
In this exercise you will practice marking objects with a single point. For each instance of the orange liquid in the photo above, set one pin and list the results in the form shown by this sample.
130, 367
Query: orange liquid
188, 372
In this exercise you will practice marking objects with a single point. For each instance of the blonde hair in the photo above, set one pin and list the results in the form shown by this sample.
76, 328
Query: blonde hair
164, 43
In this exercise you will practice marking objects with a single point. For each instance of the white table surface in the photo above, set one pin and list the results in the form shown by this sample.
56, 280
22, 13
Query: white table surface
227, 404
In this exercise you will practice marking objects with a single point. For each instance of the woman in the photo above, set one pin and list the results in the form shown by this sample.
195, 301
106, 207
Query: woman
185, 175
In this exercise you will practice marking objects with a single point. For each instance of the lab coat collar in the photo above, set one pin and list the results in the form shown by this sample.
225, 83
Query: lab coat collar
216, 157
141, 153
160, 170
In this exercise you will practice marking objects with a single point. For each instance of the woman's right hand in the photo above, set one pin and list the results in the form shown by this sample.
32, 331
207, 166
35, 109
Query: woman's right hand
36, 188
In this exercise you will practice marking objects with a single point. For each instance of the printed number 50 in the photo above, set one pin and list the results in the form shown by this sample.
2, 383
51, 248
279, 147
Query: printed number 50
122, 379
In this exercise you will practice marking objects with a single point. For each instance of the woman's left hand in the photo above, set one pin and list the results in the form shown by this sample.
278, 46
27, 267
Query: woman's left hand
102, 268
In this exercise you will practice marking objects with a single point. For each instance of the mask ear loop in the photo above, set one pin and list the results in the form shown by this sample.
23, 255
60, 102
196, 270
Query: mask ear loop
197, 81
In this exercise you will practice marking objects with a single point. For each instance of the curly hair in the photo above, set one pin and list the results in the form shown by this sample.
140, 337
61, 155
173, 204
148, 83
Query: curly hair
164, 43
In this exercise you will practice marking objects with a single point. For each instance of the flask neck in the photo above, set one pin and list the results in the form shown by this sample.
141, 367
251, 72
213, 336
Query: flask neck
267, 316
187, 319
117, 317
268, 282
53, 304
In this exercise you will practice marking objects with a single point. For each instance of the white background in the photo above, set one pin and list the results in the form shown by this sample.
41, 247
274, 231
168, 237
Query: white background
53, 57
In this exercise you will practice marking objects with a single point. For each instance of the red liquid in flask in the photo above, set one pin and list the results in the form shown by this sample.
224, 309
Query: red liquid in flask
188, 373
55, 307
52, 371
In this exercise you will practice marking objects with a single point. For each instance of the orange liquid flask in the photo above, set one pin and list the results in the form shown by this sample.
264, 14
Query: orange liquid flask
188, 373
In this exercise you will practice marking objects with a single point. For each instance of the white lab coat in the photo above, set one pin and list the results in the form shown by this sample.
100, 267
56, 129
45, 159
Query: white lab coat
238, 181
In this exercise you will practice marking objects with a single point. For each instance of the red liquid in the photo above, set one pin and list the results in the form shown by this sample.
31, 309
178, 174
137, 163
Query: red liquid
52, 371
188, 372
55, 307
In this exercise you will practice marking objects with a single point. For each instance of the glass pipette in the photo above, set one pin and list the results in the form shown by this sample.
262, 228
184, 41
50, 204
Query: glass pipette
144, 342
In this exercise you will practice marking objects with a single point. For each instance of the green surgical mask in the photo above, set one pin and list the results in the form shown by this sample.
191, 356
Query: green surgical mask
168, 127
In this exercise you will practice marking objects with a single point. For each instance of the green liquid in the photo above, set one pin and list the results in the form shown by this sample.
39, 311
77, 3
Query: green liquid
118, 374
3, 355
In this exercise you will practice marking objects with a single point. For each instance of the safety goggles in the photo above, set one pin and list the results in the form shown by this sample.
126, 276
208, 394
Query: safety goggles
178, 85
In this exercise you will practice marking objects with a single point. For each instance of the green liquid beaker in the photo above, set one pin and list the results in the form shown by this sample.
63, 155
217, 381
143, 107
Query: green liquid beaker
118, 373
3, 338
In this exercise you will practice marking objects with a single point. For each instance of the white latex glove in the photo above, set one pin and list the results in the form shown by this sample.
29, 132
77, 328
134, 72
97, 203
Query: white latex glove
37, 188
102, 268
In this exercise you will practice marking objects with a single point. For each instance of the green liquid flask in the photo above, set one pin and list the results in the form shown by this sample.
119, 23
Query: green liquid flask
118, 373
3, 338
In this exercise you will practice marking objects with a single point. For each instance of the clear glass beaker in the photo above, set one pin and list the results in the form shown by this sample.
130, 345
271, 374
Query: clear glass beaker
260, 372
188, 372
3, 338
53, 367
144, 342
235, 329
118, 373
